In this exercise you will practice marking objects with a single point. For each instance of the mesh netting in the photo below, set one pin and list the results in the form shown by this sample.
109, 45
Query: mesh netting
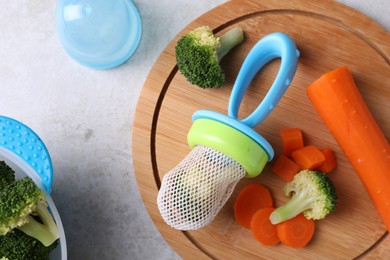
193, 192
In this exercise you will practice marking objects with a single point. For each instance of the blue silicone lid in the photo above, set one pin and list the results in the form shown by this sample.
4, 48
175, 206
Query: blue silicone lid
99, 34
23, 146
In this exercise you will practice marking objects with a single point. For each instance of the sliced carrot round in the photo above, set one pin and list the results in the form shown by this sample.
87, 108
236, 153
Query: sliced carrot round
296, 232
250, 199
262, 229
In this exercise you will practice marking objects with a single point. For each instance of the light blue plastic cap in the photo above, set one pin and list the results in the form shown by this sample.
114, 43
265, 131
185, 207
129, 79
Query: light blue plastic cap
99, 34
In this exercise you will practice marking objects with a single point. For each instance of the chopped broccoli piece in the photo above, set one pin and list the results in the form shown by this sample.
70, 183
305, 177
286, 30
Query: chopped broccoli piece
7, 175
312, 192
19, 201
16, 245
199, 52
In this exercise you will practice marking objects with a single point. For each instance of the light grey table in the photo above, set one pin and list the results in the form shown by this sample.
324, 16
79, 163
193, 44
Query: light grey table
85, 118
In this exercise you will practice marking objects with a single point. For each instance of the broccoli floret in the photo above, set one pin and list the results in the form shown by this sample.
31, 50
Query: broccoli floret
312, 192
7, 175
199, 52
23, 206
16, 245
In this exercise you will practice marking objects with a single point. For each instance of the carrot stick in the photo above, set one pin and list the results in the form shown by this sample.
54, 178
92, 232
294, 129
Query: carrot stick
330, 161
292, 140
253, 197
339, 103
308, 157
262, 229
285, 168
296, 232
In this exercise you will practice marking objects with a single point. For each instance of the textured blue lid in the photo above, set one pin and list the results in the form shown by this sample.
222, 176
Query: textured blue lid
99, 34
25, 149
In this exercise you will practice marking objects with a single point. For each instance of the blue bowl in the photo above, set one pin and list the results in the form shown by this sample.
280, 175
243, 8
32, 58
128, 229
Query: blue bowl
26, 154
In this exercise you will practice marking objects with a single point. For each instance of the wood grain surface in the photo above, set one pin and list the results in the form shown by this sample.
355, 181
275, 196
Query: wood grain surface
328, 36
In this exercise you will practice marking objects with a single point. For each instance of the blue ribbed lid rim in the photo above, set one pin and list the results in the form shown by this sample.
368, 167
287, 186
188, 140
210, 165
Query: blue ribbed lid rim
22, 145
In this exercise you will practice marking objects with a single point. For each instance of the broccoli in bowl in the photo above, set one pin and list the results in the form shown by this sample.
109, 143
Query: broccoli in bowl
28, 229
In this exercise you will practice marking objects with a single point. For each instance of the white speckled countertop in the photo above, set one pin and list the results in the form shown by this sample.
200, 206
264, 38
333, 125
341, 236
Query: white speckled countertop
85, 118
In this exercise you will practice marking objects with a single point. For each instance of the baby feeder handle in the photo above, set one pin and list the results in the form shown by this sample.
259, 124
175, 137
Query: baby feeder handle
272, 46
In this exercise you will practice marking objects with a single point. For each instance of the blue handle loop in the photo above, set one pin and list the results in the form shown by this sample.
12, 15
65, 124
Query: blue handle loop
25, 147
272, 46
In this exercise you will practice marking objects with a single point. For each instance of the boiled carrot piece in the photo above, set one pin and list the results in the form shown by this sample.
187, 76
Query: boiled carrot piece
285, 168
250, 199
262, 229
292, 139
330, 161
308, 157
296, 232
341, 106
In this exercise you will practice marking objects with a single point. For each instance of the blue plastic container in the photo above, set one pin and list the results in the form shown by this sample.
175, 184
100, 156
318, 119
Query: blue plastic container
26, 154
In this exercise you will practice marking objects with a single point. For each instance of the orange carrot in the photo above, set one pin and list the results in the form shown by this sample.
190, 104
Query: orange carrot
292, 140
285, 168
253, 197
308, 157
339, 103
296, 232
330, 161
262, 229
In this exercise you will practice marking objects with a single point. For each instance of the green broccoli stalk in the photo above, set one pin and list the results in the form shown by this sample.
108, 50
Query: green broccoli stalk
17, 245
7, 175
19, 202
46, 232
199, 52
312, 193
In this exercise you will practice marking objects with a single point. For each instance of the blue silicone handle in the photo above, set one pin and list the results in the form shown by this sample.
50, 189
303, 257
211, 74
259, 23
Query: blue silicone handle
272, 46
27, 147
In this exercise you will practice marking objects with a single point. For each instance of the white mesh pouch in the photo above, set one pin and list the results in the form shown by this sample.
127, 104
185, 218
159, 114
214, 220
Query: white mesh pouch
193, 192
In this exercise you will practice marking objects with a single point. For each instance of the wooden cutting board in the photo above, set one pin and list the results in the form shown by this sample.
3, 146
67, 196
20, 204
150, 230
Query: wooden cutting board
328, 36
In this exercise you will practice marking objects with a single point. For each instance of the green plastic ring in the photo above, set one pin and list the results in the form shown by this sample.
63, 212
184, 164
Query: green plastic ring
229, 141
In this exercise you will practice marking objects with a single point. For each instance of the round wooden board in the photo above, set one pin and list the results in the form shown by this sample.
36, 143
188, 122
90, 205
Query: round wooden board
328, 36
